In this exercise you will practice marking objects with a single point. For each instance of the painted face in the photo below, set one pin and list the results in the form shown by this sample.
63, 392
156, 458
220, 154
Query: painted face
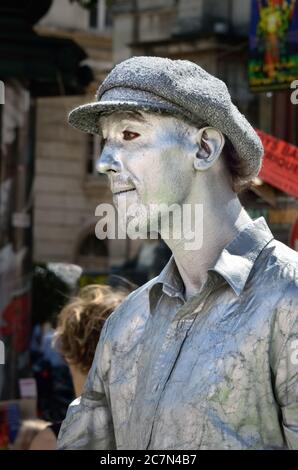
148, 158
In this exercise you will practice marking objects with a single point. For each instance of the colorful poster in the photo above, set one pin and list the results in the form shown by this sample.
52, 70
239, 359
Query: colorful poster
280, 165
273, 43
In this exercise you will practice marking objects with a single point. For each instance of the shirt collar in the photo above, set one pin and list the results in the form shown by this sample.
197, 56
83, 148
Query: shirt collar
234, 263
169, 281
237, 259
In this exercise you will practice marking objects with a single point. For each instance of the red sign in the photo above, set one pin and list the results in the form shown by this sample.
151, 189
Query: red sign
16, 322
294, 236
280, 164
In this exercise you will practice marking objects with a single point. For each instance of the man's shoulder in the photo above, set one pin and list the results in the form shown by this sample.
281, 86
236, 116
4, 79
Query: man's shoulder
281, 262
274, 281
279, 281
281, 291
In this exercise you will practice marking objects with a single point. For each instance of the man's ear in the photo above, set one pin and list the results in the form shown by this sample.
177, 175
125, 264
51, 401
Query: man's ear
210, 142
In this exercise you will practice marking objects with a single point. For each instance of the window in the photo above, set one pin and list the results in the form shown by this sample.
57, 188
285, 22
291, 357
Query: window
93, 254
100, 17
91, 246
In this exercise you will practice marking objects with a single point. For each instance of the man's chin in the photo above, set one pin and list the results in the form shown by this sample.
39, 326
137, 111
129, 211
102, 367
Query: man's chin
135, 227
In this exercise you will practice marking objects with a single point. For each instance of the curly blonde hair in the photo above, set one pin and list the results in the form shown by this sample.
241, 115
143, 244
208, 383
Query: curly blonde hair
81, 320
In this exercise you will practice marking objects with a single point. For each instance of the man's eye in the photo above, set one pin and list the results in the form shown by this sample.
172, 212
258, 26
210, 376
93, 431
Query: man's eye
127, 135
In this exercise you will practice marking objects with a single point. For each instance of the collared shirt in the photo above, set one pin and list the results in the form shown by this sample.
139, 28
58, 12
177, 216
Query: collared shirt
218, 371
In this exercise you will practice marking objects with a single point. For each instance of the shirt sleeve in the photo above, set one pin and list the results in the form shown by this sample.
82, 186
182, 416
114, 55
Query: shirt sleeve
88, 423
285, 364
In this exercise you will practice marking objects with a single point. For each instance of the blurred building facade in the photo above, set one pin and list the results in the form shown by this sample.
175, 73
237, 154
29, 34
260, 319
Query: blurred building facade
67, 188
31, 66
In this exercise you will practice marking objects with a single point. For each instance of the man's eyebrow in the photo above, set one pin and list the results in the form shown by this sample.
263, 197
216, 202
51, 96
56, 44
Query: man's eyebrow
124, 117
134, 116
129, 120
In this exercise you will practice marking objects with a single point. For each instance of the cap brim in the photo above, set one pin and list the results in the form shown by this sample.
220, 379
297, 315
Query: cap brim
85, 117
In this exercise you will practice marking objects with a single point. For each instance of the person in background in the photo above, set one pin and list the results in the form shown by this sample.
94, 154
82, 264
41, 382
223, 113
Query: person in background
78, 329
53, 284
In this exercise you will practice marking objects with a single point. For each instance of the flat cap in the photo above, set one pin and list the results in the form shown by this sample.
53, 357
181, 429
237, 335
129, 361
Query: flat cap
176, 87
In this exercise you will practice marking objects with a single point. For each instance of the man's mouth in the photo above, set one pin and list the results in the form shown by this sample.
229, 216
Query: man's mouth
121, 191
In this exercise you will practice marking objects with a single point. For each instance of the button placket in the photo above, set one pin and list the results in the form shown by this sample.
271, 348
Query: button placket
183, 327
177, 333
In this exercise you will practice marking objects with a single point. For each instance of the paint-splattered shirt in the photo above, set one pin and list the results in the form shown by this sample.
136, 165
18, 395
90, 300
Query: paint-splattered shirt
218, 371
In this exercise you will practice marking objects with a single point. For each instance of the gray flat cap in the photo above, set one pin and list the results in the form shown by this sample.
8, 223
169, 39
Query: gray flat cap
175, 87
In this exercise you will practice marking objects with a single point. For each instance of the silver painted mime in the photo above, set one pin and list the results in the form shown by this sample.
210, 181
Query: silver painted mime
201, 356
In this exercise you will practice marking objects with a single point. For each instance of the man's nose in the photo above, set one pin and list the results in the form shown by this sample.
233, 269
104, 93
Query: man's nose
108, 161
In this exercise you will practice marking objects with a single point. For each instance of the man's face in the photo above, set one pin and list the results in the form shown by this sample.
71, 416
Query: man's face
148, 159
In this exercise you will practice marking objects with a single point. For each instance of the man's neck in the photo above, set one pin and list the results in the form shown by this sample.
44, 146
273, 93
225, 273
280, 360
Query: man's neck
221, 224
